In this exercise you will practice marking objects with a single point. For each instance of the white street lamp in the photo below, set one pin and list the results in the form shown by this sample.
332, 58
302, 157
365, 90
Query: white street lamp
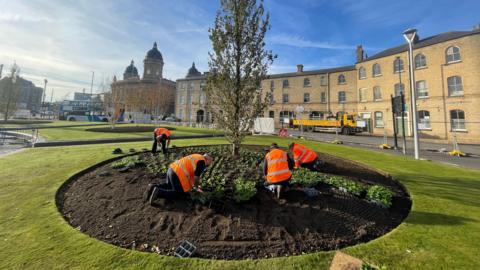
410, 35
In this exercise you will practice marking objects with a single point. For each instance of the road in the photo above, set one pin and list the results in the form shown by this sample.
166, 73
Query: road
429, 150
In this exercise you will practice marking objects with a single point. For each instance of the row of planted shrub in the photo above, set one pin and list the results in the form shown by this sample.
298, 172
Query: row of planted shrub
375, 193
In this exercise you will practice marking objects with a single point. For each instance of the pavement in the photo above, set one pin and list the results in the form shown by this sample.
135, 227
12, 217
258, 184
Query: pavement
428, 150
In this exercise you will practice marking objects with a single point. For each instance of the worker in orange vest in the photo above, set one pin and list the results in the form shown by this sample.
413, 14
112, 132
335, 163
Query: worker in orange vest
303, 156
181, 177
277, 167
161, 136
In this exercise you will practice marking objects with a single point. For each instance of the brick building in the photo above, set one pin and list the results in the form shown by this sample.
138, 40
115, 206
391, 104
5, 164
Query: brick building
447, 73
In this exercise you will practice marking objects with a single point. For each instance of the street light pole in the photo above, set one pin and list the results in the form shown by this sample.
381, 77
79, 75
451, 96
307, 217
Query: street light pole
43, 98
410, 35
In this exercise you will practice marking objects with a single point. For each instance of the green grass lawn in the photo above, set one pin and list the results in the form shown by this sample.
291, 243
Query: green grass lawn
442, 231
81, 133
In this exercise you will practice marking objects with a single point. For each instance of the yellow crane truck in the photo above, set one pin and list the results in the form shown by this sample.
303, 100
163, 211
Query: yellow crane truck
344, 123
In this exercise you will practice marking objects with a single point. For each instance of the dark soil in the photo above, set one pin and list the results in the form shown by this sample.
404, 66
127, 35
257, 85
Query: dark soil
111, 208
126, 129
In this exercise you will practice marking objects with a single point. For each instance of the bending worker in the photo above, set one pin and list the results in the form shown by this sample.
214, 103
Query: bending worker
303, 156
162, 136
277, 168
181, 177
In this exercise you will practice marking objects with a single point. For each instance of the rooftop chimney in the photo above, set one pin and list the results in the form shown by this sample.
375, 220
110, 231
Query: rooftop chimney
300, 68
359, 53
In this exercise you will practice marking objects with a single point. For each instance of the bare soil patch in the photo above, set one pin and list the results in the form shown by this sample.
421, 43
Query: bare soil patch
109, 205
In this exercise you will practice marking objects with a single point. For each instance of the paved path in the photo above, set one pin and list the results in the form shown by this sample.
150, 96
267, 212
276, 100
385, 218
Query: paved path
429, 150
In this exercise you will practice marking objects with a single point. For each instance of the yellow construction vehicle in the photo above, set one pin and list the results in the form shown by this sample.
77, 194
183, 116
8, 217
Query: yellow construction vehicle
344, 123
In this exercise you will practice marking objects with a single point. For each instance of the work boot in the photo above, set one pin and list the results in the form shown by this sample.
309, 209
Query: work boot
278, 189
153, 195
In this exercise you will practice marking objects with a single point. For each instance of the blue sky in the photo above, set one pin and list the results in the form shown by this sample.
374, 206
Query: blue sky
64, 40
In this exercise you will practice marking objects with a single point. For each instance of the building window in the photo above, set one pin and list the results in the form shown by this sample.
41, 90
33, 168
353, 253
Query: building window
455, 87
323, 97
342, 97
180, 114
424, 120
377, 93
191, 85
341, 79
376, 70
285, 84
272, 85
271, 114
420, 61
202, 98
453, 54
306, 82
182, 99
148, 71
323, 80
182, 85
306, 97
362, 94
399, 89
202, 86
379, 120
422, 91
398, 65
285, 98
457, 118
362, 73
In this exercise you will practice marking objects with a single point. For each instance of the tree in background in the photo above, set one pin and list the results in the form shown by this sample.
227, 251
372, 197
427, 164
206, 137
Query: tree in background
10, 93
238, 64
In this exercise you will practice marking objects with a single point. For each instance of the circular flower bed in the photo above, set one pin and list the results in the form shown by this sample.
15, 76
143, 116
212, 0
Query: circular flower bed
235, 217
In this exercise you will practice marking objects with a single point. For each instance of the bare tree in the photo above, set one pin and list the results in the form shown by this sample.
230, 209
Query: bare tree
10, 93
238, 64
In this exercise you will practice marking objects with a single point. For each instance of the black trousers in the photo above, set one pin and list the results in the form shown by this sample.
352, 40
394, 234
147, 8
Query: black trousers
172, 188
154, 146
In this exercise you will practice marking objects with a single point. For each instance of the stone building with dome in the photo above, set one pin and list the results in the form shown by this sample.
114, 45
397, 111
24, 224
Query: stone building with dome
145, 97
190, 97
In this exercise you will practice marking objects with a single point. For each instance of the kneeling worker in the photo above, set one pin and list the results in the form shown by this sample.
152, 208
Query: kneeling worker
303, 156
162, 136
181, 177
277, 168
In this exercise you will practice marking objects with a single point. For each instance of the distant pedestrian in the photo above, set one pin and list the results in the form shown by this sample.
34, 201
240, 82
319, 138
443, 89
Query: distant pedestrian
161, 136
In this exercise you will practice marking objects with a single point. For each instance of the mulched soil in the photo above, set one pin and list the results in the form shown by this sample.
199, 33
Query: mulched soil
126, 129
111, 208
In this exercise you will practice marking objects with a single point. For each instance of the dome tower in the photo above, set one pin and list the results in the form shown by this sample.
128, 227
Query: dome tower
131, 72
153, 64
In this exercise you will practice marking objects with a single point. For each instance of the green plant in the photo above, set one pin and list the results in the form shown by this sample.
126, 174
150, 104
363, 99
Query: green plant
380, 195
130, 161
306, 178
244, 190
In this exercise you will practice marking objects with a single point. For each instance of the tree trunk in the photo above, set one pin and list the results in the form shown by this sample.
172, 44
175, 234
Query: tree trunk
235, 148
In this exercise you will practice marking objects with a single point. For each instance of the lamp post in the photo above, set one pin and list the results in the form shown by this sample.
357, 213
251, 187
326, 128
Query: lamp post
43, 98
409, 36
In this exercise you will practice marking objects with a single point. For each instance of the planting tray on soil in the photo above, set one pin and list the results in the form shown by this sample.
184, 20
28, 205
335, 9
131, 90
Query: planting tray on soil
110, 207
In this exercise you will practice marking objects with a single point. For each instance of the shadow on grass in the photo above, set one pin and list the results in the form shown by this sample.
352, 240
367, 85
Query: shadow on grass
464, 191
426, 218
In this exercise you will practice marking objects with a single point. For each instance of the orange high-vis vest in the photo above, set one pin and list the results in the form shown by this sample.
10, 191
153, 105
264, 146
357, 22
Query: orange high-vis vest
160, 131
302, 154
277, 170
184, 168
